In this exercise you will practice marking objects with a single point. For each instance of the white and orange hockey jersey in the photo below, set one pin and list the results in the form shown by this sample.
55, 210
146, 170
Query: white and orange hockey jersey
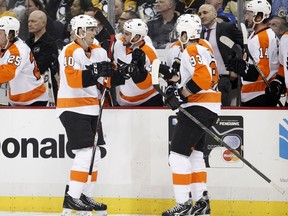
18, 68
72, 96
176, 50
195, 65
263, 47
283, 58
134, 94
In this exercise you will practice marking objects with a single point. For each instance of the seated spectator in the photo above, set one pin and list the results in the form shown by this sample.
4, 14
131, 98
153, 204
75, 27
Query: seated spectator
43, 47
192, 6
218, 4
59, 10
119, 8
54, 28
160, 29
231, 7
4, 11
145, 8
126, 15
18, 67
17, 7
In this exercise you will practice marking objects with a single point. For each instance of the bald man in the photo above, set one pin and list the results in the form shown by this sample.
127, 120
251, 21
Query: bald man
43, 46
228, 82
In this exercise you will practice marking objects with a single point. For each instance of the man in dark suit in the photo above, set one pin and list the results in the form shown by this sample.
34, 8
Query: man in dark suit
228, 83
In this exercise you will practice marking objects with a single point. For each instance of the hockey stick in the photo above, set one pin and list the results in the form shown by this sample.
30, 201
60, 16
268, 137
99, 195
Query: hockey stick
96, 135
48, 82
245, 42
238, 52
155, 82
109, 28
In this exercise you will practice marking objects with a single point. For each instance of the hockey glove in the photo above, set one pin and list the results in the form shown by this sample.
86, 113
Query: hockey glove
277, 87
101, 69
238, 65
167, 72
138, 58
129, 71
176, 66
96, 70
171, 101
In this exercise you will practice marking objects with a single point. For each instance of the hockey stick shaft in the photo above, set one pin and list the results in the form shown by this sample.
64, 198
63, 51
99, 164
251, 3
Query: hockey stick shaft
98, 123
155, 73
245, 42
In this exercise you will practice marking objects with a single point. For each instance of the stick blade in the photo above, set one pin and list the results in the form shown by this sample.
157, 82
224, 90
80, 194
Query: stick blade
227, 41
155, 71
231, 44
244, 33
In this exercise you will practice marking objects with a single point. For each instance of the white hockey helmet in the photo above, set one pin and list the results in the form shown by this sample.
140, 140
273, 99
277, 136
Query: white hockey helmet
259, 6
136, 27
82, 21
8, 23
191, 24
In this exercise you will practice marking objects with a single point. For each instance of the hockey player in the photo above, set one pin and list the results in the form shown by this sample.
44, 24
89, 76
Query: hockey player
186, 153
283, 57
18, 67
175, 51
263, 46
82, 65
134, 57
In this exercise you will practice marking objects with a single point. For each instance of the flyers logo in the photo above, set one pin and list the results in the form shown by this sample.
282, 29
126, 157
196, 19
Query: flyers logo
283, 139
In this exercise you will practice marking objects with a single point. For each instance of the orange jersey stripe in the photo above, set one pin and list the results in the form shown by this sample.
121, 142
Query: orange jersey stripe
71, 102
181, 179
201, 74
138, 97
205, 97
30, 95
199, 177
281, 70
74, 77
8, 70
146, 83
150, 53
264, 60
254, 87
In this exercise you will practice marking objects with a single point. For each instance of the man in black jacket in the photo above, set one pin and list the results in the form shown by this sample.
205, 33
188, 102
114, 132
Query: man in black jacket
43, 47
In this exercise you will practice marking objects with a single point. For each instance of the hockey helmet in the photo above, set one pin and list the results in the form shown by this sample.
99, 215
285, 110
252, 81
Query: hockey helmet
259, 6
8, 23
191, 24
82, 21
136, 27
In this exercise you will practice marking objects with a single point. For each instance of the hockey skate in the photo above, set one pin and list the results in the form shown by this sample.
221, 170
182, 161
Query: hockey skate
179, 209
71, 204
100, 208
202, 206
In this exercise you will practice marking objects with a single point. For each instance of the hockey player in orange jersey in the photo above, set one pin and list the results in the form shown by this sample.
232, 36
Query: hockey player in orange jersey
134, 57
263, 47
186, 160
18, 67
82, 66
